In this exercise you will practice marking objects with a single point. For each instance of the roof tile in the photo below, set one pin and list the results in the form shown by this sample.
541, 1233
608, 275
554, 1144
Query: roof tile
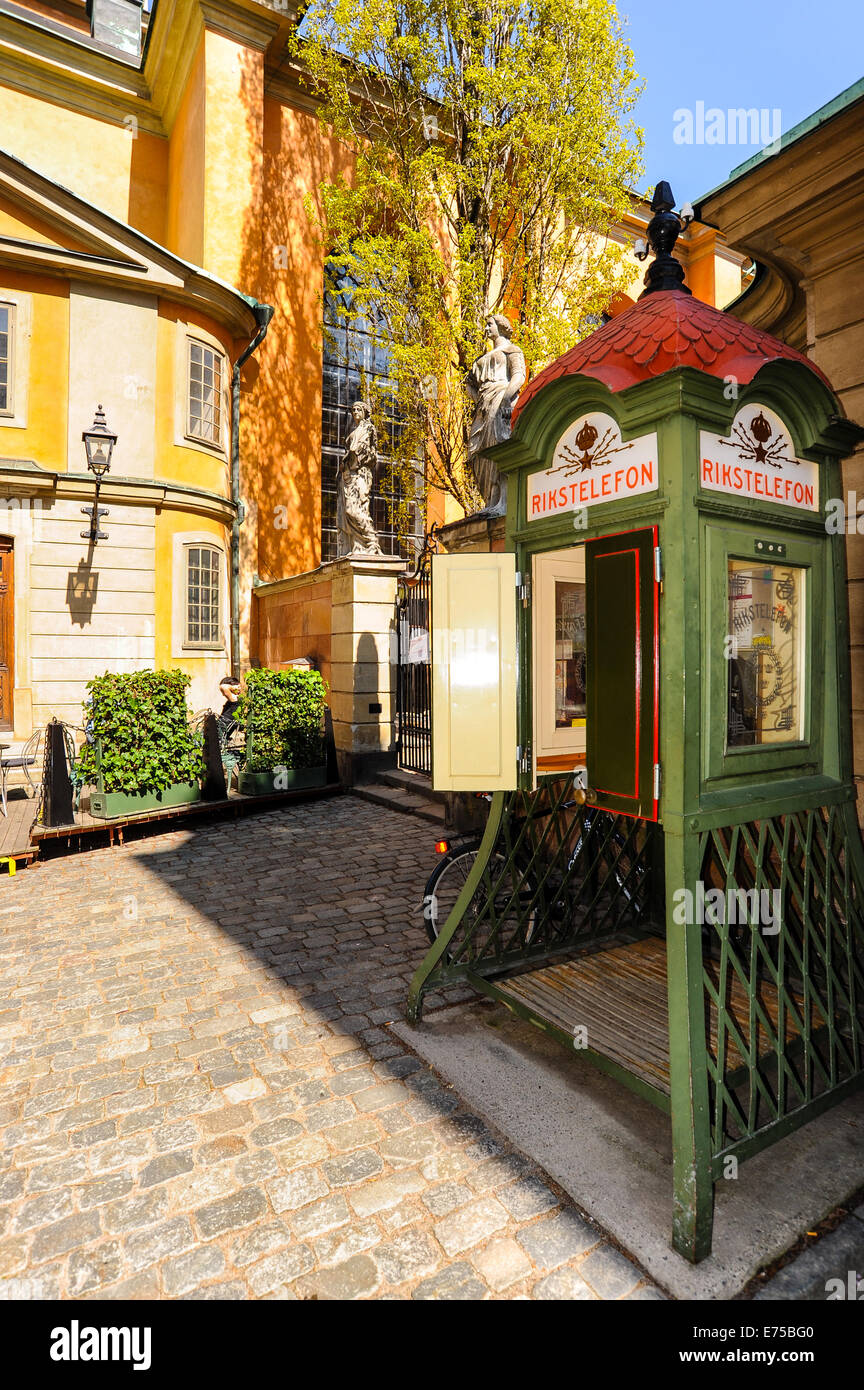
663, 331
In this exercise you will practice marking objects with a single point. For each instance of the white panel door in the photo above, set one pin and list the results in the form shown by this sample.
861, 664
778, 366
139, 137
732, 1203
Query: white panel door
474, 672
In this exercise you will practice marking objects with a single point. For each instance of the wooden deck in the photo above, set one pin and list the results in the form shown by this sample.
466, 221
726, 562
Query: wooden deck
86, 824
619, 996
15, 828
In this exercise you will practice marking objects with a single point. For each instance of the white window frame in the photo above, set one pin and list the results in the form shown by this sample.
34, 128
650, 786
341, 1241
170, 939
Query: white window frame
179, 541
550, 742
7, 412
217, 443
219, 642
21, 305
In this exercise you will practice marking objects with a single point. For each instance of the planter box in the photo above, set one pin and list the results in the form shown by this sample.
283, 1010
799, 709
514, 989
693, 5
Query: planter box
109, 805
294, 779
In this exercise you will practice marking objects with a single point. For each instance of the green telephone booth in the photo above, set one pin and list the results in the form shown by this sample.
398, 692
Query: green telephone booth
654, 681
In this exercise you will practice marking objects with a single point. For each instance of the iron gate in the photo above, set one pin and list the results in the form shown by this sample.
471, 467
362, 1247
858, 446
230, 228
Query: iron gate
414, 663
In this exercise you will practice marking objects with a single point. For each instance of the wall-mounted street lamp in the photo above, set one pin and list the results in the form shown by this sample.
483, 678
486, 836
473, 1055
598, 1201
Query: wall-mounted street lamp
99, 442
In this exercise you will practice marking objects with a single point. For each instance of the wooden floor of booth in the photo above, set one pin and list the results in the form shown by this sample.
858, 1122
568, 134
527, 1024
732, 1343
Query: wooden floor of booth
619, 997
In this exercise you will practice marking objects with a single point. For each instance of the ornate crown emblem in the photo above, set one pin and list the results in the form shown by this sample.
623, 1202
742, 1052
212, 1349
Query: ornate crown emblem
755, 442
590, 456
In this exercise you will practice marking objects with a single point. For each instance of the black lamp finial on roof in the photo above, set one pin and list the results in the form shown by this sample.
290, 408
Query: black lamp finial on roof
665, 273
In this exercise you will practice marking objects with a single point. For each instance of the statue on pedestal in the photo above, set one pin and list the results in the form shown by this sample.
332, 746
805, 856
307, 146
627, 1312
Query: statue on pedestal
356, 534
493, 383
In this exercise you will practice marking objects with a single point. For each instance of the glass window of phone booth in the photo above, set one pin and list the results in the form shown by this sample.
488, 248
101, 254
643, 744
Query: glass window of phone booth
764, 685
766, 679
559, 659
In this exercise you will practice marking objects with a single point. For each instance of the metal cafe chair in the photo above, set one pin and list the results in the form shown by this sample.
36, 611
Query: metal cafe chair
22, 759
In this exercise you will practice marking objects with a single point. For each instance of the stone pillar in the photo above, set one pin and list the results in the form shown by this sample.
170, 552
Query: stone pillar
363, 661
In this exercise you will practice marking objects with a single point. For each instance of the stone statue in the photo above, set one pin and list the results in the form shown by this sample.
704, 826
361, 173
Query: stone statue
493, 383
356, 534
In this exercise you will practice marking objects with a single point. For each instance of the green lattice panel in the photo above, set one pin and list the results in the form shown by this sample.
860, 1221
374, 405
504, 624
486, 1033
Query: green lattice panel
799, 1032
559, 875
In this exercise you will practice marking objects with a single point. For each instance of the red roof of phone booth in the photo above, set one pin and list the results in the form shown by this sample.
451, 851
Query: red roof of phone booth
662, 331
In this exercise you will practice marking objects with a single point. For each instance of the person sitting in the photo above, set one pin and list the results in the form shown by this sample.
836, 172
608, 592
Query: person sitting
230, 690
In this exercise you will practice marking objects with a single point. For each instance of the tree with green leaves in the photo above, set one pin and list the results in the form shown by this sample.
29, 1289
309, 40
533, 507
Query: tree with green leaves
493, 151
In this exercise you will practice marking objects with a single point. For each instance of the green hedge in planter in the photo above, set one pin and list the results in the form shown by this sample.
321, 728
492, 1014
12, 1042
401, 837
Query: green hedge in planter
142, 724
282, 713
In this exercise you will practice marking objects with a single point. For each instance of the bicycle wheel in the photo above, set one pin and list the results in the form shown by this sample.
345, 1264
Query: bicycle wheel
512, 907
620, 855
631, 873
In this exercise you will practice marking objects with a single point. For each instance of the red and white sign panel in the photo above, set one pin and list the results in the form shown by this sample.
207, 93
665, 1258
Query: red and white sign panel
757, 460
592, 464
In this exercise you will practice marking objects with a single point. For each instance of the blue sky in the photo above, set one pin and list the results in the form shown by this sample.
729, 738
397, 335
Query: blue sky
791, 55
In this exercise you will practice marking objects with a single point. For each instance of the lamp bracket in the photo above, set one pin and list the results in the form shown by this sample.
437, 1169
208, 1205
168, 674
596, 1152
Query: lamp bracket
95, 533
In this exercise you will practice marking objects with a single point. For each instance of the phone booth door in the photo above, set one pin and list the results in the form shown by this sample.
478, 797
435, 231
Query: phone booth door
622, 588
596, 669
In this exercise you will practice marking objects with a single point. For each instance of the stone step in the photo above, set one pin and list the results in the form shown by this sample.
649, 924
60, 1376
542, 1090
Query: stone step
414, 782
398, 800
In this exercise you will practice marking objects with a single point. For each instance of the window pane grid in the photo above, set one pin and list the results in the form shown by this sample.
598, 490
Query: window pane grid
205, 393
202, 597
5, 358
353, 351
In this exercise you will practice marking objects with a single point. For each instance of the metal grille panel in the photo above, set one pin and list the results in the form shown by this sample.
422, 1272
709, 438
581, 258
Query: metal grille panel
766, 1066
560, 875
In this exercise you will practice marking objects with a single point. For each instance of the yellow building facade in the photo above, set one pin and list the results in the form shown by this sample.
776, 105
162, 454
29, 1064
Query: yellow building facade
146, 171
94, 315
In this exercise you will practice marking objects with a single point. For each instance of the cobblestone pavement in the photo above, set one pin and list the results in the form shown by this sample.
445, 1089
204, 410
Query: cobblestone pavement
200, 1096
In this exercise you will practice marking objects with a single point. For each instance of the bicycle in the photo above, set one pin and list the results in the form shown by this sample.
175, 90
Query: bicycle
516, 888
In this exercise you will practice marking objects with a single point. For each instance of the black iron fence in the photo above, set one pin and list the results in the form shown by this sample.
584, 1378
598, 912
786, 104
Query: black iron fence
414, 663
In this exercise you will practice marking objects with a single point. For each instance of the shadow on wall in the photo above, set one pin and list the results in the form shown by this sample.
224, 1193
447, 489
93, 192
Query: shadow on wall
365, 735
82, 590
283, 265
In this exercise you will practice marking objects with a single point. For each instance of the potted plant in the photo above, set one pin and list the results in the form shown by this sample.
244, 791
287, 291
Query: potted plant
140, 753
282, 713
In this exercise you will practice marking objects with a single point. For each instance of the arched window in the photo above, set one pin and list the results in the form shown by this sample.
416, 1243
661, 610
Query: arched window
356, 358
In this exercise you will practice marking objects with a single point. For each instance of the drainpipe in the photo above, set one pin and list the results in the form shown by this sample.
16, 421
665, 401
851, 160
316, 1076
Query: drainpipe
263, 314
